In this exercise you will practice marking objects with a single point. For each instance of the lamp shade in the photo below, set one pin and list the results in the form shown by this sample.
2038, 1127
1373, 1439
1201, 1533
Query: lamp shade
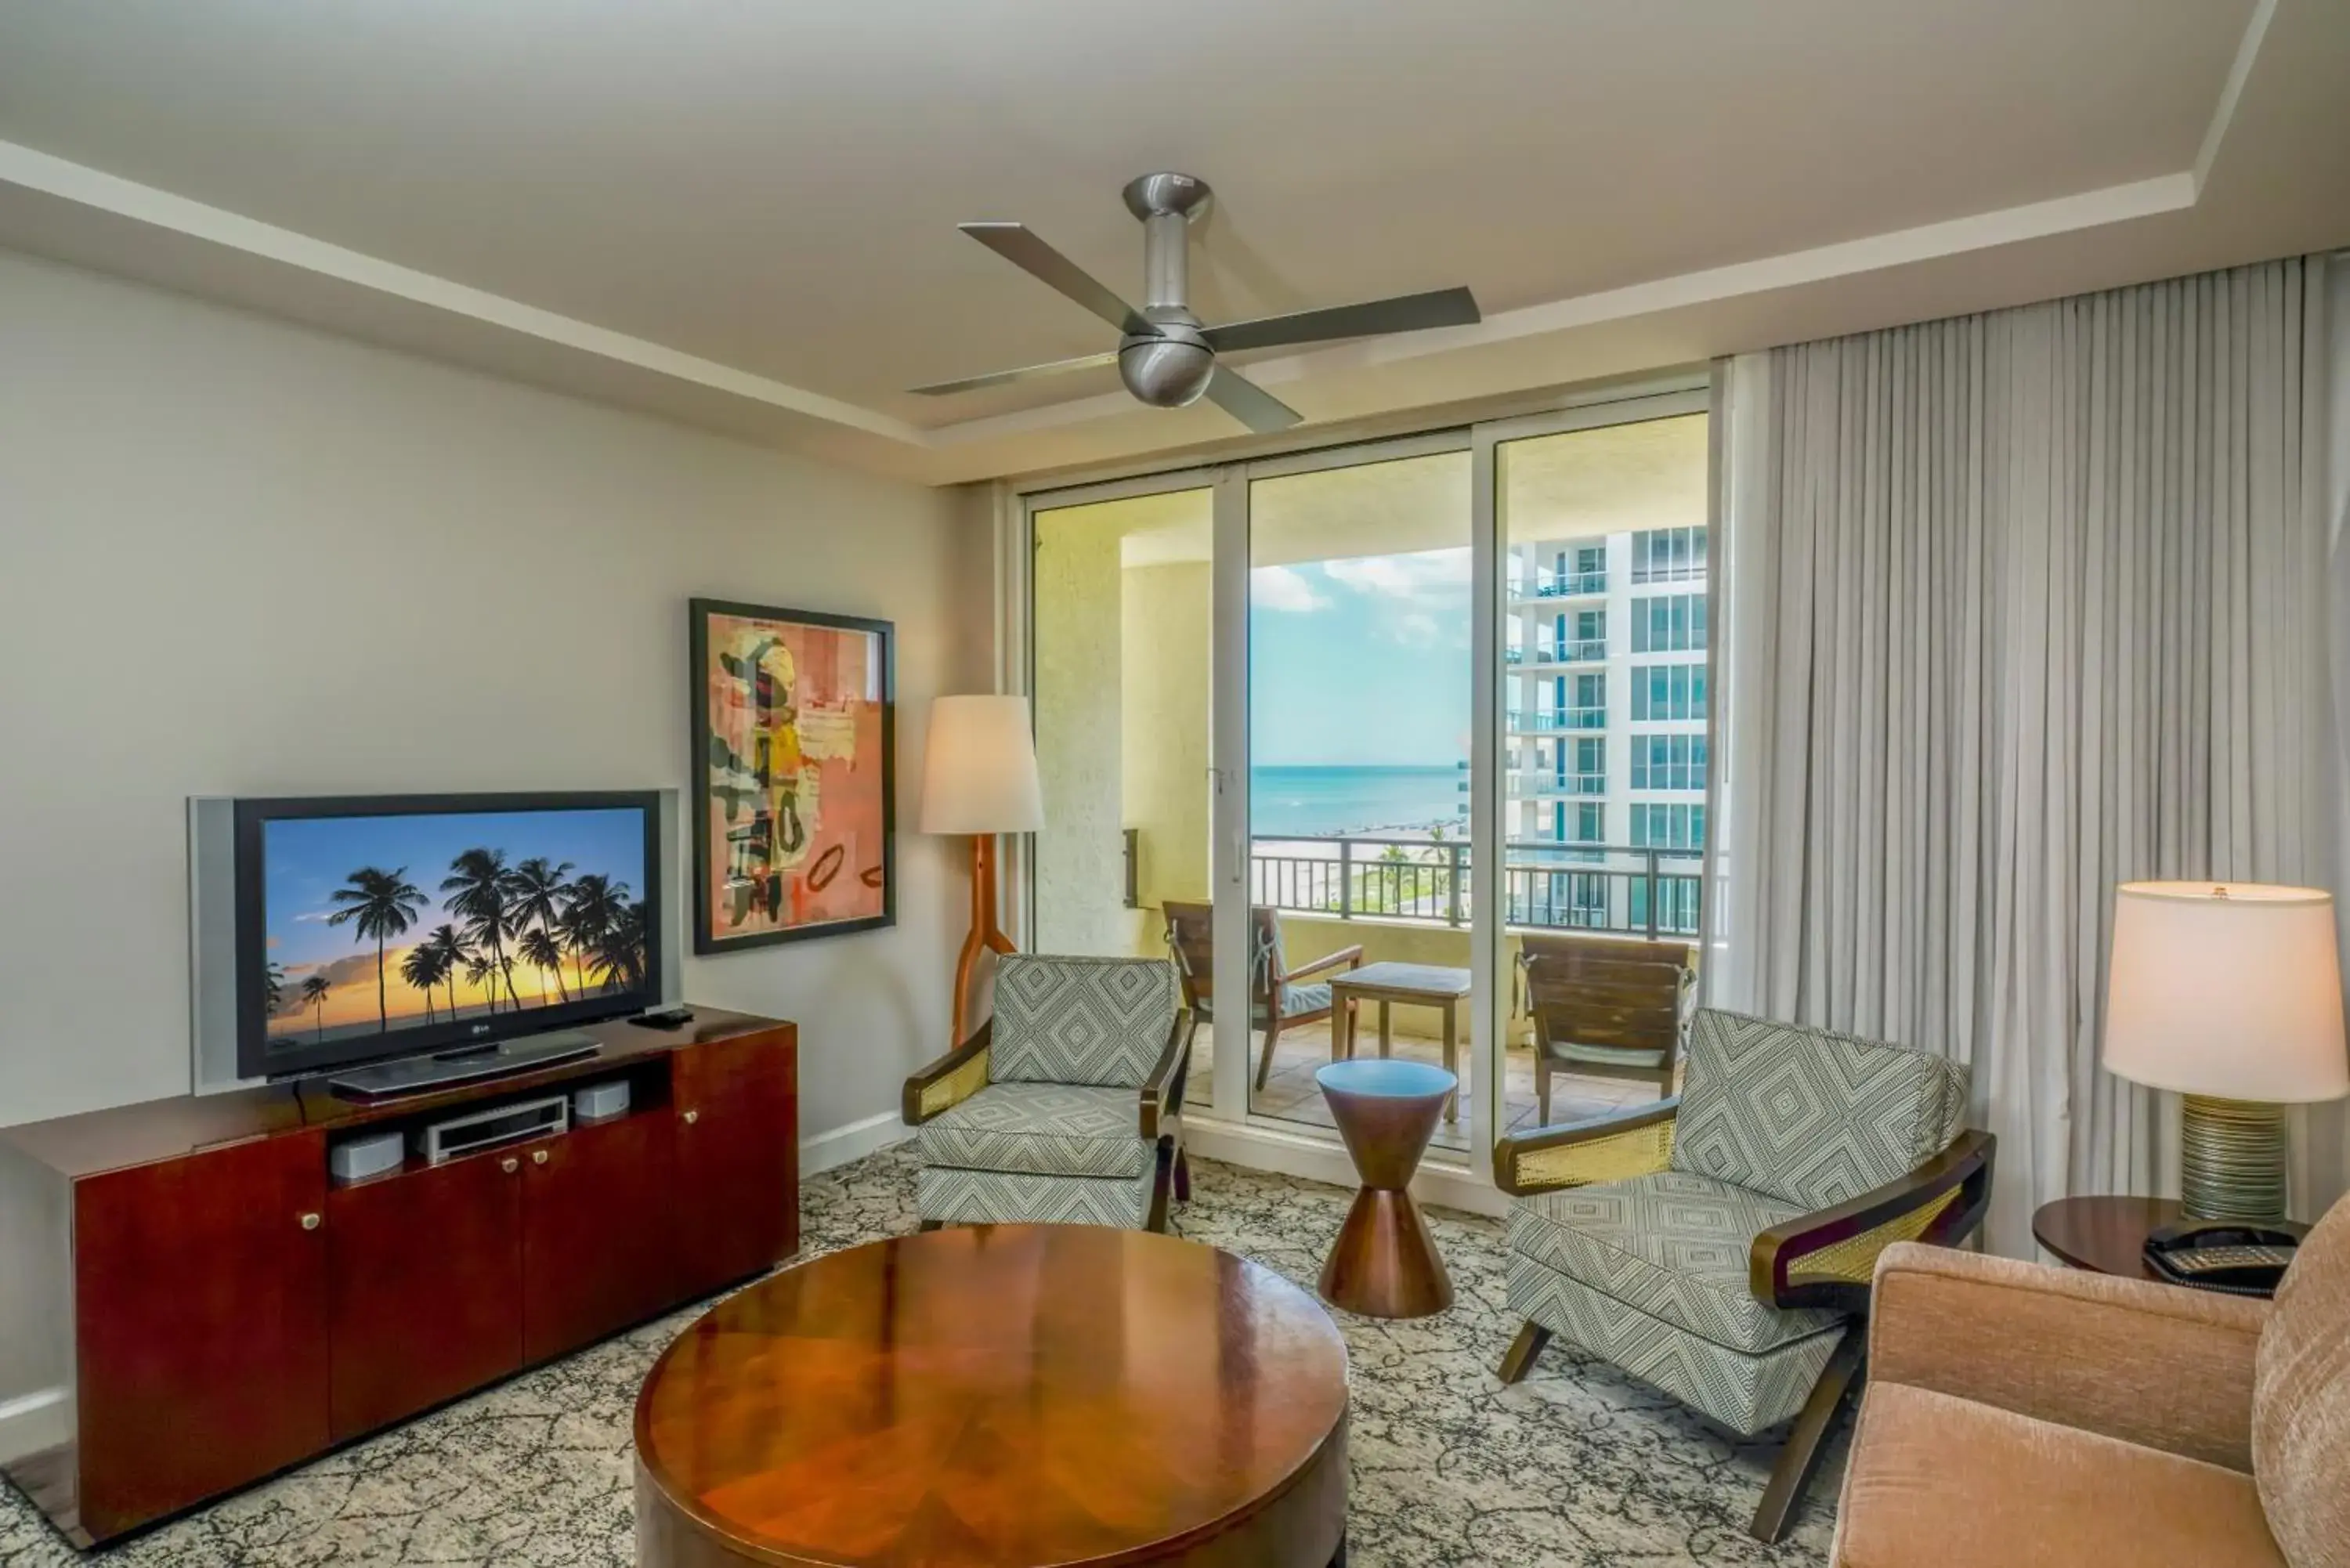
979, 770
2229, 990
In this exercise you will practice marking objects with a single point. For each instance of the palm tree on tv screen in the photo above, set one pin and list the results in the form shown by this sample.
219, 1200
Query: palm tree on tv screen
450, 954
536, 892
478, 877
538, 950
421, 970
619, 961
273, 987
382, 904
314, 992
596, 906
482, 970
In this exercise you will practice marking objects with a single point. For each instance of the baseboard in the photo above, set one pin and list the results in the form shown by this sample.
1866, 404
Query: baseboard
34, 1422
855, 1141
1317, 1159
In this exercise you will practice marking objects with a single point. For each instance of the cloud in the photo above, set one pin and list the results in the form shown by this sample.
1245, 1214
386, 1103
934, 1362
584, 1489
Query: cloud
1415, 629
1439, 575
346, 971
314, 917
1283, 589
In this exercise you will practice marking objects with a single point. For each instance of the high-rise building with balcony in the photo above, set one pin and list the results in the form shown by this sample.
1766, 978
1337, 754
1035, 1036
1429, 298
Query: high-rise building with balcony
1605, 724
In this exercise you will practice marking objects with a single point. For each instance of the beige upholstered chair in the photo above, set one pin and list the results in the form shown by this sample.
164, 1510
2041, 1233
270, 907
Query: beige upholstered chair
1718, 1244
2018, 1415
1061, 1107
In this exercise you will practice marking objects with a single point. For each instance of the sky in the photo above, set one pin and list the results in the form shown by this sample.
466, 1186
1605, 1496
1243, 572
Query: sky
1360, 662
304, 859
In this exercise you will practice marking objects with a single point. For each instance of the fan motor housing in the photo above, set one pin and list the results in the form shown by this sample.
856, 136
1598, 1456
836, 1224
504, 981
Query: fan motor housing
1170, 370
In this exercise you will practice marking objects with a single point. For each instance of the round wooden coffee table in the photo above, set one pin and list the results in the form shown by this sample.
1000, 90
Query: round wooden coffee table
983, 1397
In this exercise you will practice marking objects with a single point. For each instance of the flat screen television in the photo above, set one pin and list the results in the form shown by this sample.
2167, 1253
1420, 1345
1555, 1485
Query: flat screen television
374, 928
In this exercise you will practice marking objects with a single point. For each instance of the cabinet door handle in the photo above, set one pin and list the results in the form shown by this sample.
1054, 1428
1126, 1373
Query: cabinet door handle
538, 1157
509, 1165
692, 1117
312, 1222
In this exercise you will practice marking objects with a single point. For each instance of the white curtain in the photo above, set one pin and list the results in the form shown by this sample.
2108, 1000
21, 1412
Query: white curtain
2019, 605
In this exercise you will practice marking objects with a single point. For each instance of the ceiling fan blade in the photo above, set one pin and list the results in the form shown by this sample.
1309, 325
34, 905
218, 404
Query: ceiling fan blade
1250, 403
1020, 246
1026, 372
1404, 313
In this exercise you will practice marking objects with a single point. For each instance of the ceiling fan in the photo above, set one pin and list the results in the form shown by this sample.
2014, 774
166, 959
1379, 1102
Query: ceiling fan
1165, 354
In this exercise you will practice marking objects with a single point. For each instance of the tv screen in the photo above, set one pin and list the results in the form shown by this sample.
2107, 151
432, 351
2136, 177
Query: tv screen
376, 928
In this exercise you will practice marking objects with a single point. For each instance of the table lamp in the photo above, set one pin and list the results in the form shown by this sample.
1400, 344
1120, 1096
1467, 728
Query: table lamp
2231, 994
979, 777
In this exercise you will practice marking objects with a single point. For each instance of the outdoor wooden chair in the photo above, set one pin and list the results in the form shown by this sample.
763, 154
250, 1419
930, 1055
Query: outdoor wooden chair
1279, 996
1605, 1007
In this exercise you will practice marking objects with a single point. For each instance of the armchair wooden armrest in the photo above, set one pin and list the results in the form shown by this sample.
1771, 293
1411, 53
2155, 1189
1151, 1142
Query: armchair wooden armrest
949, 1081
1636, 1142
2151, 1364
1163, 1091
1826, 1257
1350, 958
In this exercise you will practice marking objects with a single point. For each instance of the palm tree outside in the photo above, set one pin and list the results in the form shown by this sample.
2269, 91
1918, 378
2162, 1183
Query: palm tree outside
382, 904
314, 992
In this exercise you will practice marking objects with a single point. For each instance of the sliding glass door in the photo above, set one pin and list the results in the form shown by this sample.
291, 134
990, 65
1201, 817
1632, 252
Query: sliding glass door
1408, 704
1359, 770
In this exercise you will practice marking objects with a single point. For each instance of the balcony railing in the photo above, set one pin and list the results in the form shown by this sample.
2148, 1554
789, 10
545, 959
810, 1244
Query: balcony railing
1574, 650
1545, 785
1546, 885
1544, 721
1570, 585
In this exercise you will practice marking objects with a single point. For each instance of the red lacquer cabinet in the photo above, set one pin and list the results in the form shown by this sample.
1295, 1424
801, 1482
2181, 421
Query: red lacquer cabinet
193, 1306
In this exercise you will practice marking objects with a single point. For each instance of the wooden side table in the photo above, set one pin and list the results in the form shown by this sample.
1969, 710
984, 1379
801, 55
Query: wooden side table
1416, 984
2104, 1235
1384, 1262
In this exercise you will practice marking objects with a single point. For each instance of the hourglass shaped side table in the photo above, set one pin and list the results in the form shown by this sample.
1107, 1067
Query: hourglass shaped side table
1385, 1263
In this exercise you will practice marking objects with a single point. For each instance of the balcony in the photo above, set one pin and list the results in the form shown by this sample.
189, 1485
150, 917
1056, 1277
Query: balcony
1546, 786
1546, 886
1544, 721
1563, 586
1574, 650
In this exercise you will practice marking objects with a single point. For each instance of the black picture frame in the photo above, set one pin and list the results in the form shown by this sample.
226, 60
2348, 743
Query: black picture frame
708, 939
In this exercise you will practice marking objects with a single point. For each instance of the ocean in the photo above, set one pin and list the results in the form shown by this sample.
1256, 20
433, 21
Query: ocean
1311, 802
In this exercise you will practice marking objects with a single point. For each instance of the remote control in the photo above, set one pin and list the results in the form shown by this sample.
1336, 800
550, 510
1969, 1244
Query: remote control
667, 1018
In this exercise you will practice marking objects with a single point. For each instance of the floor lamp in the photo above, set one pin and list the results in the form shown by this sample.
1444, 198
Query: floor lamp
2230, 996
979, 777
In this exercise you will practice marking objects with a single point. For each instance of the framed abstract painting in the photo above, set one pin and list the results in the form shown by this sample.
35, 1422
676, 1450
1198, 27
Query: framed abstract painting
794, 776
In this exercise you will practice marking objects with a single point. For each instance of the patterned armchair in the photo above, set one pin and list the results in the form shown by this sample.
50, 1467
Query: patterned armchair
1718, 1244
1063, 1107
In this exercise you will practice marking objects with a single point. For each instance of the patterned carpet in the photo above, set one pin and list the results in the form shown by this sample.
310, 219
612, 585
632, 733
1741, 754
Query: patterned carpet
1574, 1466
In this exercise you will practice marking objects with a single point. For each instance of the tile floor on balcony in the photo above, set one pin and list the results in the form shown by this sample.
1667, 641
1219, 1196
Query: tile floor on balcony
1292, 1095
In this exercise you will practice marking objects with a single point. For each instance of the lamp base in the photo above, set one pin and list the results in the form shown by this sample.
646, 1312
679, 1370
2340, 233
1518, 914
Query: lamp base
2231, 1159
986, 935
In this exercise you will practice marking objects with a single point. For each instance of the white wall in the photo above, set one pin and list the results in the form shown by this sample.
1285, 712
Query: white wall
238, 557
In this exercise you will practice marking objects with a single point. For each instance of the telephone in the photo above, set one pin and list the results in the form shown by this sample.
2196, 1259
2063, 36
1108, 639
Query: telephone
2223, 1254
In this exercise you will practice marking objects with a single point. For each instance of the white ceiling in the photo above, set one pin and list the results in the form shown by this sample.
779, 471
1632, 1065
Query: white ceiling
743, 215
